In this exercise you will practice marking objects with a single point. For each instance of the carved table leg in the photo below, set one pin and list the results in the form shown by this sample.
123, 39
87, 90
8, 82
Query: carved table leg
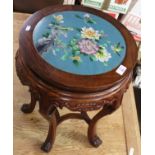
85, 117
57, 115
51, 114
92, 136
47, 145
28, 108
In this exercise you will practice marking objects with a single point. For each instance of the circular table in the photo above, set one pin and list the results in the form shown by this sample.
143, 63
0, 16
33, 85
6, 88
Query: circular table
74, 57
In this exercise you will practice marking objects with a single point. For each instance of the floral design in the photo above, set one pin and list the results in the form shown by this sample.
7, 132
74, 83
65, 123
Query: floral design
86, 18
103, 55
90, 33
76, 58
87, 42
117, 48
50, 39
58, 18
87, 46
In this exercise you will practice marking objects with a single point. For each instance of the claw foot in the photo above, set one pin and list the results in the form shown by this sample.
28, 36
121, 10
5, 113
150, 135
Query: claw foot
96, 141
46, 147
26, 108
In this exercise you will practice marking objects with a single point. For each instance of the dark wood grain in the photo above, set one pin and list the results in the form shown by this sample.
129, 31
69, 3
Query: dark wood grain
28, 108
57, 89
51, 98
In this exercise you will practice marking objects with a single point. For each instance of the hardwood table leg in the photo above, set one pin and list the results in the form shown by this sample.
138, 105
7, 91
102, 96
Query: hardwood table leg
28, 108
51, 114
47, 145
49, 111
107, 109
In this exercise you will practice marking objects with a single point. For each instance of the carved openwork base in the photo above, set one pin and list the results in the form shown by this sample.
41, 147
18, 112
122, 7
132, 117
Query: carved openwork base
50, 99
50, 112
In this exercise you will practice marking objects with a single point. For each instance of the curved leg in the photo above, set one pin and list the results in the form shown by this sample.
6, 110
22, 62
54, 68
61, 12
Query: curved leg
57, 115
92, 136
85, 117
47, 145
28, 108
50, 113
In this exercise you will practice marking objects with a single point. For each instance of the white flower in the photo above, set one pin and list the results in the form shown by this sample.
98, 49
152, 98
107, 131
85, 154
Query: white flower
58, 18
90, 33
43, 41
50, 25
103, 55
86, 15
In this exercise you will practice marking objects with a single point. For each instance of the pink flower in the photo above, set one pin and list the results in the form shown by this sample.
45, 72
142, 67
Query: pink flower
88, 46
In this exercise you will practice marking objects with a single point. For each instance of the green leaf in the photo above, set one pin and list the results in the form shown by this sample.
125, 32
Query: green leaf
92, 58
75, 38
84, 54
78, 29
118, 44
105, 45
97, 40
75, 48
76, 62
102, 47
76, 52
90, 21
77, 16
65, 56
46, 34
69, 46
105, 63
72, 42
54, 23
118, 53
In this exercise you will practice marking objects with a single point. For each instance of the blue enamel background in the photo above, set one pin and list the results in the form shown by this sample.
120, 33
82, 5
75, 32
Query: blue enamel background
87, 67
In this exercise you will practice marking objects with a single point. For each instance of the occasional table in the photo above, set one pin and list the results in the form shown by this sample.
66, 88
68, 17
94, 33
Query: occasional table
74, 57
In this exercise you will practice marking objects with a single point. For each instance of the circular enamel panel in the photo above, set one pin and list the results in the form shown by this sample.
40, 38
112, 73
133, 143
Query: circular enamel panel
79, 43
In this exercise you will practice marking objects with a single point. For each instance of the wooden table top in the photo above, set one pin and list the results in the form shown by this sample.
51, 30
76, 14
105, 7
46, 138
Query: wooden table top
87, 52
120, 130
